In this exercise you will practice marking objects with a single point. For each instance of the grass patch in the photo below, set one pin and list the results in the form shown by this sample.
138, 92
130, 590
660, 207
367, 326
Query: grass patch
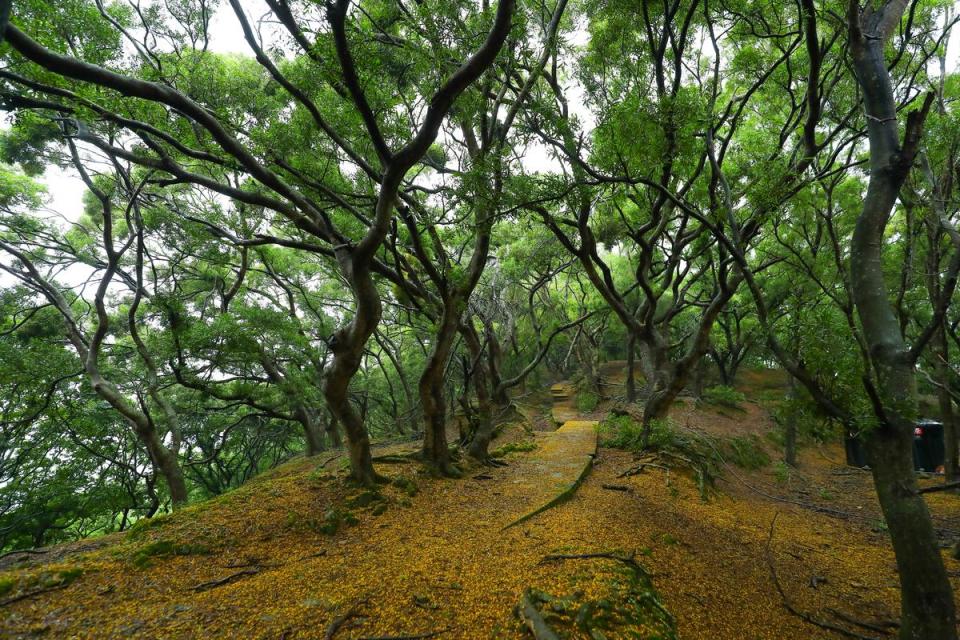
39, 581
782, 472
587, 401
625, 605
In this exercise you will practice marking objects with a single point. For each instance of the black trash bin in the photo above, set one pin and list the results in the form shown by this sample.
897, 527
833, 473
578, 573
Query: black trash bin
928, 447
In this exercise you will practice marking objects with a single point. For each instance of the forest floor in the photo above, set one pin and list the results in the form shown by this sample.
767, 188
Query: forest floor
298, 553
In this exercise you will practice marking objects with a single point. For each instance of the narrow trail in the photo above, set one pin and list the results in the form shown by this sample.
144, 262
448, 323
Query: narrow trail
562, 459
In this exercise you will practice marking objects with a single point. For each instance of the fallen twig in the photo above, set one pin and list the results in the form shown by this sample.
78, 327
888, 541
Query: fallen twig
398, 458
638, 469
326, 462
233, 577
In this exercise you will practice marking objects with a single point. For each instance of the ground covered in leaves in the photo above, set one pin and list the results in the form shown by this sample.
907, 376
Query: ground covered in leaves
298, 553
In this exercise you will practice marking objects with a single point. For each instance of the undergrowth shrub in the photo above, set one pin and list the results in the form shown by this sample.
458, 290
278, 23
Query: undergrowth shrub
702, 454
723, 396
811, 426
587, 401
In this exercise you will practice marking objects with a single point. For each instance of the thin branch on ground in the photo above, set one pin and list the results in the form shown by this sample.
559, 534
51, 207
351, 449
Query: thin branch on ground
616, 487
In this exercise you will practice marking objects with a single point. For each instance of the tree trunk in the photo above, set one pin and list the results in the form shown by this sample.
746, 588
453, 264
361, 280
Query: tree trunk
940, 351
927, 606
699, 377
790, 428
311, 432
494, 358
631, 369
436, 450
333, 433
347, 346
480, 445
163, 460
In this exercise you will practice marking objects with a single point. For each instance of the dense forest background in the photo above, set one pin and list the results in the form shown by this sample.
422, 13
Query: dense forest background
388, 219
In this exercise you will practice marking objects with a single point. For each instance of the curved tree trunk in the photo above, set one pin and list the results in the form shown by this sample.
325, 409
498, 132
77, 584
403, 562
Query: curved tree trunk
927, 605
480, 445
631, 368
436, 450
166, 463
333, 433
347, 346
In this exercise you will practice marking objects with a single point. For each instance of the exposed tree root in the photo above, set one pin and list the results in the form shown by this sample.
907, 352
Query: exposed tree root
36, 552
397, 458
562, 497
616, 487
633, 601
340, 620
880, 626
233, 577
533, 619
640, 468
35, 592
940, 487
629, 560
806, 617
